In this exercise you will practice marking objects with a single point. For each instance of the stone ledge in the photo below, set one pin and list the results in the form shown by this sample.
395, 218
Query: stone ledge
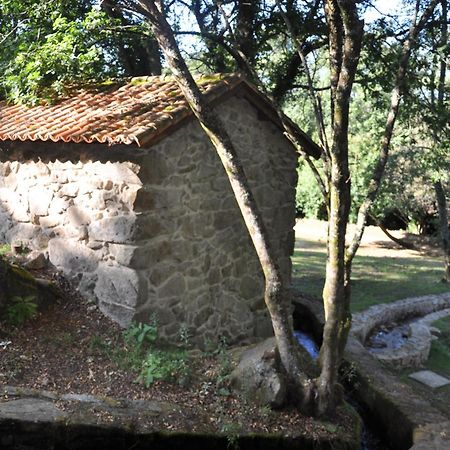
363, 323
405, 416
39, 420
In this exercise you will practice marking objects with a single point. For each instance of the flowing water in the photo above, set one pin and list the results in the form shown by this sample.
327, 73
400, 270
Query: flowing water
369, 438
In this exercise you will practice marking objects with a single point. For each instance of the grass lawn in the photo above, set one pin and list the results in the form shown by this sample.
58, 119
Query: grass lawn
439, 359
375, 279
439, 362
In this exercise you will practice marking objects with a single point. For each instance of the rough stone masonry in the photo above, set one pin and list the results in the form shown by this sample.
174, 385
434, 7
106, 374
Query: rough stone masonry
158, 231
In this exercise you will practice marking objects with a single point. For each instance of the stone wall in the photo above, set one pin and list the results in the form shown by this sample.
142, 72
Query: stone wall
203, 268
162, 235
73, 212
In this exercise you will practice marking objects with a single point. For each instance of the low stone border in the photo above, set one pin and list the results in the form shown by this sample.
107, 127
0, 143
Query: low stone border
417, 348
413, 353
430, 318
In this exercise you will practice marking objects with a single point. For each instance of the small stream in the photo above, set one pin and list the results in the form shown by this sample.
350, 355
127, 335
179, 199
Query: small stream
370, 439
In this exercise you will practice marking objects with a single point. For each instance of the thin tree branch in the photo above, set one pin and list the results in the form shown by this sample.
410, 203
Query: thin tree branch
318, 112
6, 36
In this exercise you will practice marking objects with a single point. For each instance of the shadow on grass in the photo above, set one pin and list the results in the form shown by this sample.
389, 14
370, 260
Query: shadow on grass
374, 279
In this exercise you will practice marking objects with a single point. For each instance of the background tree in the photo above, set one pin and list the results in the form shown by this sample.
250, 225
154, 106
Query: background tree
48, 46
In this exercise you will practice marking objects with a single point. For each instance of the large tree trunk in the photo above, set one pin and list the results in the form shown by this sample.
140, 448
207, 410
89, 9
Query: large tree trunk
443, 226
277, 301
345, 38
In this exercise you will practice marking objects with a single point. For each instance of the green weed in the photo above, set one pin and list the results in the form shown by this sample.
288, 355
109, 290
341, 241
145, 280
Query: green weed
139, 334
142, 354
98, 345
168, 365
21, 310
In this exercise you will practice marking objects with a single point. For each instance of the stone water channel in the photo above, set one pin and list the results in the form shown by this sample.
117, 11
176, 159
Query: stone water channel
370, 439
402, 417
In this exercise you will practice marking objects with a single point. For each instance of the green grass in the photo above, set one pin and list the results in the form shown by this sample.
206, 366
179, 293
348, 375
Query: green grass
374, 279
439, 362
439, 359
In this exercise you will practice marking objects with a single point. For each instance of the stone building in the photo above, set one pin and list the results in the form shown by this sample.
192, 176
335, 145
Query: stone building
123, 192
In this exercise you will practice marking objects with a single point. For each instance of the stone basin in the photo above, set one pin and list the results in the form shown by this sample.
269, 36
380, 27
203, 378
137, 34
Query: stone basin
413, 316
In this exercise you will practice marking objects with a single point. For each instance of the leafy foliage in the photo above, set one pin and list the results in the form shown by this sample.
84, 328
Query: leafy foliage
166, 365
48, 47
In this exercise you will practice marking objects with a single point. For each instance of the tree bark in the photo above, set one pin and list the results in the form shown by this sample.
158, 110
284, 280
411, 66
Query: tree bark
438, 188
443, 62
345, 35
443, 226
396, 95
275, 294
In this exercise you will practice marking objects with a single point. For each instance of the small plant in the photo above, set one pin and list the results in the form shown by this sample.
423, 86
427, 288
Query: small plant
140, 334
224, 367
184, 335
98, 345
4, 249
152, 363
163, 365
21, 310
265, 411
231, 431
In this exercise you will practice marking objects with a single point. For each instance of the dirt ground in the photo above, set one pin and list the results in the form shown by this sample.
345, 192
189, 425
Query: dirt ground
71, 348
309, 232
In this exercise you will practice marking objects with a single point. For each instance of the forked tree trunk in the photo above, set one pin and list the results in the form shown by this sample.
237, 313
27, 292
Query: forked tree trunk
443, 226
345, 38
275, 296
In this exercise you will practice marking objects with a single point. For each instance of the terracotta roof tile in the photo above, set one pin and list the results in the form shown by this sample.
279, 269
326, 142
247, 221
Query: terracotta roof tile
131, 112
134, 112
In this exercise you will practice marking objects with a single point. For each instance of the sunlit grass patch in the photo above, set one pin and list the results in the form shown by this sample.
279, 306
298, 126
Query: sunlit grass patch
374, 279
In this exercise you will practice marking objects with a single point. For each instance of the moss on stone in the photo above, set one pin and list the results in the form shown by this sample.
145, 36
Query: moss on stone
15, 281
